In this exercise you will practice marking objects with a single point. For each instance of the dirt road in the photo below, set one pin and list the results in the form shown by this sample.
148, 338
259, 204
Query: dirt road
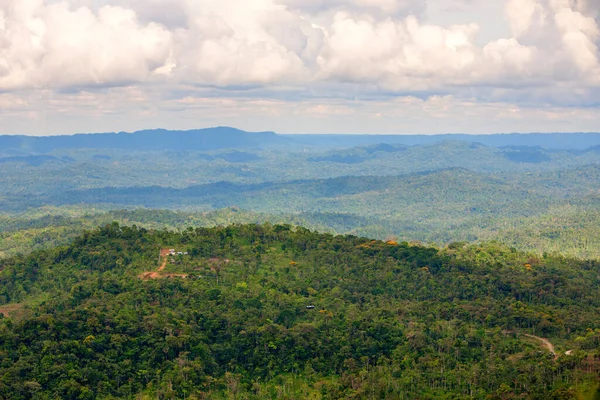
163, 265
157, 274
547, 344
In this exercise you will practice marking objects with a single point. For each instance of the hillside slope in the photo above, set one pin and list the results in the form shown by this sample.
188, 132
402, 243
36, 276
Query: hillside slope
267, 311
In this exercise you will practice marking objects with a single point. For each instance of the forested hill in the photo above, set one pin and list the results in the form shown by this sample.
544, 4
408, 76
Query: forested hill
156, 140
225, 137
574, 141
271, 311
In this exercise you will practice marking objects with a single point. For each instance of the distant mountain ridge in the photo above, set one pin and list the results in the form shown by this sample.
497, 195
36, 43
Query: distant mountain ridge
226, 137
146, 140
566, 141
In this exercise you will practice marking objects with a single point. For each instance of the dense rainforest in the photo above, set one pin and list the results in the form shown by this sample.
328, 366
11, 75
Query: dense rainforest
274, 311
568, 230
537, 192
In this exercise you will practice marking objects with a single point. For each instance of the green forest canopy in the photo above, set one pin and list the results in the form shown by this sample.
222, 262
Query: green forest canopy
390, 320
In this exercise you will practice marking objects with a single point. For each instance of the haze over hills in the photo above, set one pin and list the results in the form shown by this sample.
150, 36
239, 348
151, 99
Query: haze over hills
442, 191
226, 137
368, 195
155, 139
578, 141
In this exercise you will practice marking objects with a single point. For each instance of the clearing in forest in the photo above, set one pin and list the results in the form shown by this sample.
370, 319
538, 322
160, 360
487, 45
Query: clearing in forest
158, 274
8, 309
547, 344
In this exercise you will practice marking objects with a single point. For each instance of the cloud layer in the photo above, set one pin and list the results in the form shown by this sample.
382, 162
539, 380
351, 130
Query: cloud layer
309, 53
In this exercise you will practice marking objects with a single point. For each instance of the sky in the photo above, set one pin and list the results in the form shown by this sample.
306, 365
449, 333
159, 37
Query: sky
300, 66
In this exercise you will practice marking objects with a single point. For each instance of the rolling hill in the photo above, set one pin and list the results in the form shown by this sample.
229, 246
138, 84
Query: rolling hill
265, 311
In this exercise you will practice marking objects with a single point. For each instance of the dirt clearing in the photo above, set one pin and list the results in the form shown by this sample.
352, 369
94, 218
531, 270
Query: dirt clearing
9, 309
158, 274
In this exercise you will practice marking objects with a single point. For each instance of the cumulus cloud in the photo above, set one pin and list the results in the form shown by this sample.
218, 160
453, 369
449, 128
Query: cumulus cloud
277, 49
399, 53
53, 45
247, 45
281, 42
524, 15
510, 58
580, 34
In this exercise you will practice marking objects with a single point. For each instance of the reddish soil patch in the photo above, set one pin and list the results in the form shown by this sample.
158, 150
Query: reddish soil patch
157, 274
163, 265
164, 252
146, 276
8, 309
149, 275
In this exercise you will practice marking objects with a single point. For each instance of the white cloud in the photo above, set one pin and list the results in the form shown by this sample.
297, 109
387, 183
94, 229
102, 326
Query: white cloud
261, 42
524, 15
292, 51
402, 54
509, 57
579, 36
241, 46
9, 103
53, 45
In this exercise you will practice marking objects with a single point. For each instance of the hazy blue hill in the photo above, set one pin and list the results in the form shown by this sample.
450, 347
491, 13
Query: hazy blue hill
101, 157
432, 192
594, 149
443, 191
154, 140
34, 161
239, 157
338, 158
358, 155
175, 178
579, 141
454, 153
226, 137
572, 183
385, 148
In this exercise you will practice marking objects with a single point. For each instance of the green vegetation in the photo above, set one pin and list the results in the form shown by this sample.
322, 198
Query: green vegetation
568, 230
49, 227
502, 304
70, 175
390, 320
532, 198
